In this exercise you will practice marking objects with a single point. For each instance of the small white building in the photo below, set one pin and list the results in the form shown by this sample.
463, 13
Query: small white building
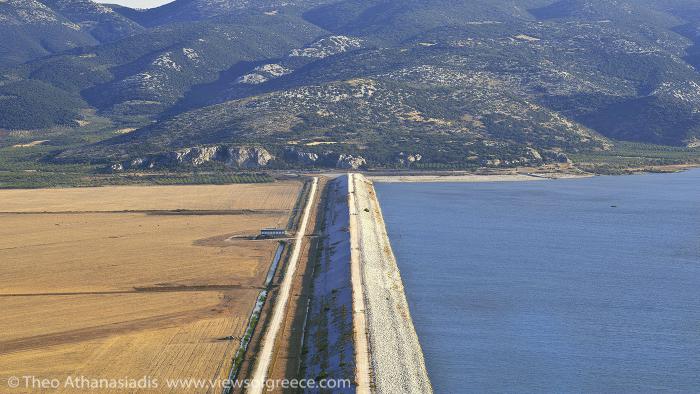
273, 232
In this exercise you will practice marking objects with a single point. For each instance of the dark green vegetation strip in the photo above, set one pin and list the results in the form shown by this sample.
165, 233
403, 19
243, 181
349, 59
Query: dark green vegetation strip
35, 180
625, 156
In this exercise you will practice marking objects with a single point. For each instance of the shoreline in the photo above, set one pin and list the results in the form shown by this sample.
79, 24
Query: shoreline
520, 174
519, 177
396, 362
472, 178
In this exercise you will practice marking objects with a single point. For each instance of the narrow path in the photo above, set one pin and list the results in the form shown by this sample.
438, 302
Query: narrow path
264, 357
362, 367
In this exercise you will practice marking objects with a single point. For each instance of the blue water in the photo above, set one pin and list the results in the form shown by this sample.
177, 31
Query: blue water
586, 285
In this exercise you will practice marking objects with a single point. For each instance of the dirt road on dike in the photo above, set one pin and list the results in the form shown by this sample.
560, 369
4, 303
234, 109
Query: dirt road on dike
264, 357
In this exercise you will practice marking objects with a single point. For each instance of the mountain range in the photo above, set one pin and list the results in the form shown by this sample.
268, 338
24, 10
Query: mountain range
349, 83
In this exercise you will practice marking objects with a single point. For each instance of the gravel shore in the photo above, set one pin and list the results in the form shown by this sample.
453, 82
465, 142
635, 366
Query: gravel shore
396, 357
472, 178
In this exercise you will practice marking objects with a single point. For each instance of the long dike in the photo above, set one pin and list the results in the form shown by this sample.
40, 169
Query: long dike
389, 358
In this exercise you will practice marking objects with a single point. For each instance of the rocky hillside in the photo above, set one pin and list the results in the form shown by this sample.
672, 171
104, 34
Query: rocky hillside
349, 83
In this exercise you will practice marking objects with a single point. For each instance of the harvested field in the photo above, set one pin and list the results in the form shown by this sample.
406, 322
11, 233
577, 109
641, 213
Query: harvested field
109, 283
265, 196
176, 338
103, 252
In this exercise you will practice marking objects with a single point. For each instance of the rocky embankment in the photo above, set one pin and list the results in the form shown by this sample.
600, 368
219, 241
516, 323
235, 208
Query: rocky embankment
395, 355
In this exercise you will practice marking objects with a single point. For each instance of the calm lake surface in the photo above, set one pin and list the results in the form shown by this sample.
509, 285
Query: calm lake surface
586, 285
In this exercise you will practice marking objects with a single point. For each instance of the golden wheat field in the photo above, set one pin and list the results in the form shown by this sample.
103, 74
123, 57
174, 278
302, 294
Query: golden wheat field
262, 196
133, 282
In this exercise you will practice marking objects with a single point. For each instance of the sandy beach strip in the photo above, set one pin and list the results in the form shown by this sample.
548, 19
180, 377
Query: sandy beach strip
396, 357
472, 178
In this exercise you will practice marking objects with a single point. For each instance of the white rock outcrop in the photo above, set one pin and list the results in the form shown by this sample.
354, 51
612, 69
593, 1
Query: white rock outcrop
230, 156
